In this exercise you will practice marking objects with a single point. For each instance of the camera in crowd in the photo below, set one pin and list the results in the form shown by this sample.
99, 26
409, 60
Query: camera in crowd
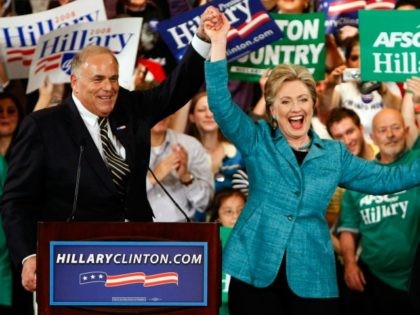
351, 74
365, 87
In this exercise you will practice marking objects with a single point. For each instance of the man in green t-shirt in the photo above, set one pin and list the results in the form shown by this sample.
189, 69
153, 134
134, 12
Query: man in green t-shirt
388, 227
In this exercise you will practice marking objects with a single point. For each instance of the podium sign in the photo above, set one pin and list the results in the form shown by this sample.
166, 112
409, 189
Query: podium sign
128, 273
128, 268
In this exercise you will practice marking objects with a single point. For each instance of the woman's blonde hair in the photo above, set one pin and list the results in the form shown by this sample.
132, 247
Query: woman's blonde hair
286, 73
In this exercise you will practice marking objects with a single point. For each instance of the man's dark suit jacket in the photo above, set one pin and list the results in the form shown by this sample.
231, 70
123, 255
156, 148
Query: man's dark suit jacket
45, 158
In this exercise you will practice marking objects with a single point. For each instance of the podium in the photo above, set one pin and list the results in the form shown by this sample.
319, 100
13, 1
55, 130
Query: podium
55, 236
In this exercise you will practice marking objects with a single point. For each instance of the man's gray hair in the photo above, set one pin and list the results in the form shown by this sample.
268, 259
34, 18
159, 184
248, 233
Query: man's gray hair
86, 52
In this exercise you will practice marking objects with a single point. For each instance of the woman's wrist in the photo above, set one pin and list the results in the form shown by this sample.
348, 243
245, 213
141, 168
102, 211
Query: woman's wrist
218, 49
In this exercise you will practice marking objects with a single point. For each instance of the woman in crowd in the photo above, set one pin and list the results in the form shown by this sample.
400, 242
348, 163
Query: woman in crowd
224, 157
279, 254
11, 113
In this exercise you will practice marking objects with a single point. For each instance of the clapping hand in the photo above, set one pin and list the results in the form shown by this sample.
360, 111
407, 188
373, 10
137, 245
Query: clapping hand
182, 156
165, 166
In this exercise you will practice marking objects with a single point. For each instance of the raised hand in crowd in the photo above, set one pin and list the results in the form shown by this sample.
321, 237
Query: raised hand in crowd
411, 109
45, 94
335, 76
413, 87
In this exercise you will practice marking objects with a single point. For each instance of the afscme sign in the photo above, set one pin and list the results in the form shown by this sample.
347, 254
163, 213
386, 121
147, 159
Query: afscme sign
389, 51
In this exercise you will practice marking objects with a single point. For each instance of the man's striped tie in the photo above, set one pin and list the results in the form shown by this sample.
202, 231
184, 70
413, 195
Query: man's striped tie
117, 166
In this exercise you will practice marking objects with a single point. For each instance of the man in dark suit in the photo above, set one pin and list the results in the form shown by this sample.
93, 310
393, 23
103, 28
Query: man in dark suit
59, 169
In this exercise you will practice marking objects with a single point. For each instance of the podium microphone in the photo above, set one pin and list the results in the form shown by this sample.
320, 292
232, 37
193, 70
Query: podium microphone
169, 195
76, 187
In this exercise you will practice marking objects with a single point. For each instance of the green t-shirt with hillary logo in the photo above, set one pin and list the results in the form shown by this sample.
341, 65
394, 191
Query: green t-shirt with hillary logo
389, 228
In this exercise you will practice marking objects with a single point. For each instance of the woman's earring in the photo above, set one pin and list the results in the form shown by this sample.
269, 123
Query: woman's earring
274, 123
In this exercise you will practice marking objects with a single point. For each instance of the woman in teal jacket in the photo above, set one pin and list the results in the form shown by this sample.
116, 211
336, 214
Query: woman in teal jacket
279, 254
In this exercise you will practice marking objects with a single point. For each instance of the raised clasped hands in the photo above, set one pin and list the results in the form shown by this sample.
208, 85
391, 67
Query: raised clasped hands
215, 23
207, 16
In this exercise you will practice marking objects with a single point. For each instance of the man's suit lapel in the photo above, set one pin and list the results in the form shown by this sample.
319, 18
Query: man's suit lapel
79, 132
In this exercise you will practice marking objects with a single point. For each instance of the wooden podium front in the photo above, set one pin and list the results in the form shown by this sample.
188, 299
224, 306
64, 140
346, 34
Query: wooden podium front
128, 231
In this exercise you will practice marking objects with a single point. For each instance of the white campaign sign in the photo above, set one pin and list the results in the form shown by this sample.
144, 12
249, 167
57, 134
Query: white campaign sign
55, 50
19, 34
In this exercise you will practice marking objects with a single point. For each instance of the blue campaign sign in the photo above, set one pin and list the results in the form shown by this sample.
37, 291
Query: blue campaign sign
128, 273
340, 13
251, 27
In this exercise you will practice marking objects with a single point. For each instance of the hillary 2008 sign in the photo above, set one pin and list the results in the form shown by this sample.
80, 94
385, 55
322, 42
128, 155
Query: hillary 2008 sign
251, 27
128, 273
55, 50
19, 34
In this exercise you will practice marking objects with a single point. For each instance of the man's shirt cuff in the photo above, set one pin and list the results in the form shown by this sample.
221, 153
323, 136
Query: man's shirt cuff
201, 47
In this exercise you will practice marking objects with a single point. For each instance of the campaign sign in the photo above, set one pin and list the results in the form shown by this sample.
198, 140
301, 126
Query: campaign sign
251, 27
342, 13
389, 51
303, 44
55, 50
128, 273
19, 34
380, 4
